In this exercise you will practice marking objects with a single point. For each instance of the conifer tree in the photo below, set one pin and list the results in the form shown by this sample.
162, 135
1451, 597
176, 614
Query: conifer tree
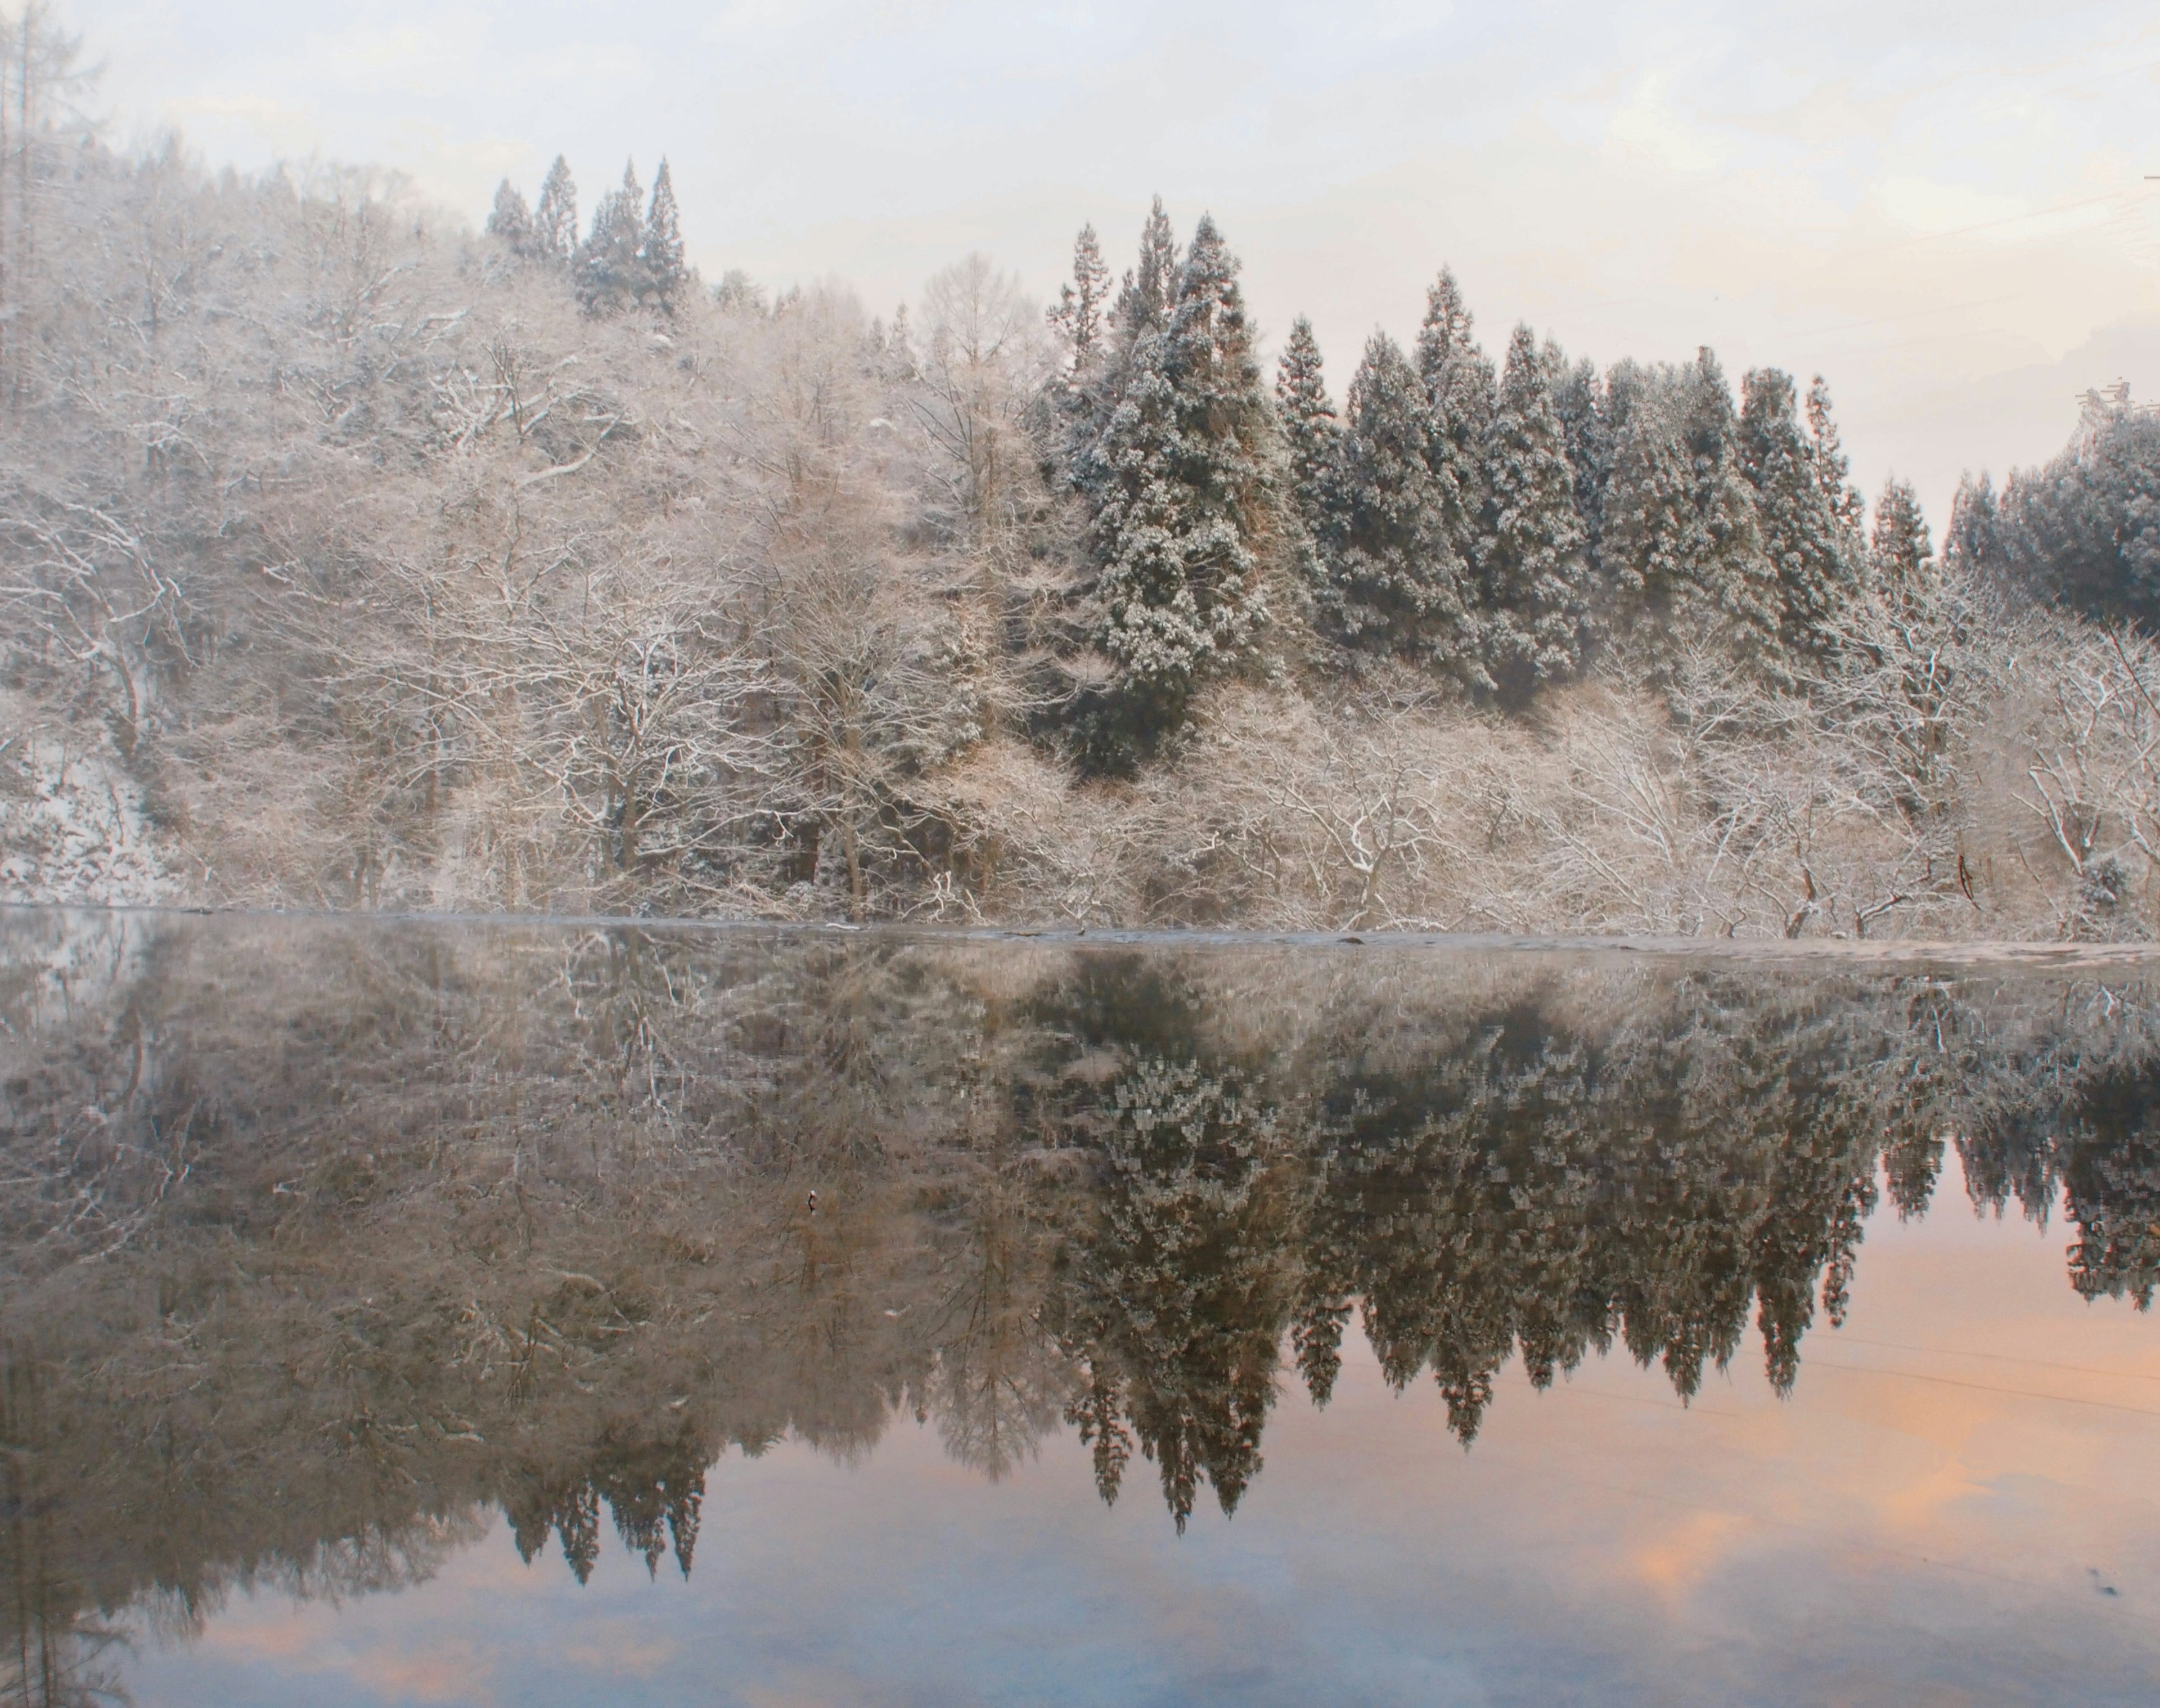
1831, 469
1311, 433
1972, 545
1082, 302
1579, 400
610, 267
1459, 386
665, 277
1392, 578
511, 220
555, 220
1182, 499
1536, 570
1804, 537
1677, 550
1901, 556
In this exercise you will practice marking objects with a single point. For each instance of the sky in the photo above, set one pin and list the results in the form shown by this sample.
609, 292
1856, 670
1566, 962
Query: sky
1944, 209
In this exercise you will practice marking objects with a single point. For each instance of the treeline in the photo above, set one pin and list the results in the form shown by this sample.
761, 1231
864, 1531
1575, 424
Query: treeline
357, 558
1498, 527
558, 1179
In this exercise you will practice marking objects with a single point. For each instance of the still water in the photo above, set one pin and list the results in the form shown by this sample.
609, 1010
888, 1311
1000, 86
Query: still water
564, 1314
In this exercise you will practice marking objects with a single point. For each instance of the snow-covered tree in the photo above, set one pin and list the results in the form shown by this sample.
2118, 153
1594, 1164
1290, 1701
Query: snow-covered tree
1579, 401
1536, 572
1393, 577
1805, 534
1832, 471
1901, 556
609, 271
1311, 434
666, 275
1678, 548
510, 219
1459, 397
1082, 302
555, 219
1183, 500
1971, 543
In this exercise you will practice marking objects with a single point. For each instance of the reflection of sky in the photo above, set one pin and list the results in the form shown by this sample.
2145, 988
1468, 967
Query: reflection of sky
1913, 1526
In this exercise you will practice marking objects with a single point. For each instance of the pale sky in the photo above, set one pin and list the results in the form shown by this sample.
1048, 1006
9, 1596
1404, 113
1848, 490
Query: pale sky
1942, 207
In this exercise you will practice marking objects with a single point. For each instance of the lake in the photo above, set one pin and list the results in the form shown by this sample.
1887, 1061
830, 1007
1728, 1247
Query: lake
531, 1312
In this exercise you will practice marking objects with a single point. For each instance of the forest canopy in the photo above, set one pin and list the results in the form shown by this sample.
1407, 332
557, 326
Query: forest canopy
356, 556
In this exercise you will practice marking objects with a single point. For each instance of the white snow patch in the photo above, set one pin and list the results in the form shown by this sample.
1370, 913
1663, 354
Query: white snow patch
72, 827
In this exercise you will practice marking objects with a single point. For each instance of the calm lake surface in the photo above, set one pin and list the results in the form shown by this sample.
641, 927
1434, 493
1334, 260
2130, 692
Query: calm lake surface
438, 1312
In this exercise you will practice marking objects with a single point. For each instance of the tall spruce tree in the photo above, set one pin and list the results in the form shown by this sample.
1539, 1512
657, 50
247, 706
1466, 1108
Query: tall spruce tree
511, 220
1459, 399
1586, 425
610, 270
1392, 577
1805, 537
1649, 532
1972, 543
665, 277
1536, 572
1832, 471
1901, 556
1311, 434
555, 219
1180, 489
1083, 302
1728, 562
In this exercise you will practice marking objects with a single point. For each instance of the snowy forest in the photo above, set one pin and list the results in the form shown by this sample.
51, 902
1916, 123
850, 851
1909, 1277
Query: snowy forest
351, 556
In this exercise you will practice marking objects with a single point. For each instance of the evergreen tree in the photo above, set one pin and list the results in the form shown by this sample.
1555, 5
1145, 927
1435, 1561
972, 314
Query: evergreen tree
1311, 431
610, 270
1900, 556
1678, 548
1393, 577
1082, 304
511, 220
1728, 566
665, 277
555, 220
1971, 544
1536, 575
1831, 469
1579, 400
1459, 400
1805, 536
1180, 487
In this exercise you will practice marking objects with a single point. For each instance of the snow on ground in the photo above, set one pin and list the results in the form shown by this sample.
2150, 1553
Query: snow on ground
72, 827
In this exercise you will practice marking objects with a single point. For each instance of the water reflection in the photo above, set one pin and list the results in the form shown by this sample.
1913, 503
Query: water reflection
323, 1243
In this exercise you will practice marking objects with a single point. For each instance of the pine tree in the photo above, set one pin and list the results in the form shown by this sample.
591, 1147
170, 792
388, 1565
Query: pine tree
1805, 536
511, 220
1831, 469
1972, 544
1082, 303
610, 270
1579, 401
555, 220
1184, 505
1537, 578
1679, 551
1459, 399
1311, 431
1393, 577
666, 278
1728, 566
1901, 556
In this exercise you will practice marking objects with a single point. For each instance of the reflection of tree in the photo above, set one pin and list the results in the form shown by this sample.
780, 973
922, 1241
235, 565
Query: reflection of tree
335, 1242
1174, 1300
653, 1489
